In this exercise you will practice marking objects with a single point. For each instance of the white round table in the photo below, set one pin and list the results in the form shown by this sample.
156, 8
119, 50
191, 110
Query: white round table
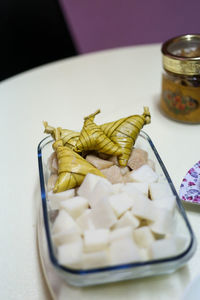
119, 82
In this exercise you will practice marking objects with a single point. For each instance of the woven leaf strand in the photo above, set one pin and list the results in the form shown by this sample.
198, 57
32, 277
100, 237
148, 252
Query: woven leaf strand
124, 132
92, 137
69, 137
72, 168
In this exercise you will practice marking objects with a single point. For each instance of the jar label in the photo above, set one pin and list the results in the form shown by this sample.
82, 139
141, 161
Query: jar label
180, 102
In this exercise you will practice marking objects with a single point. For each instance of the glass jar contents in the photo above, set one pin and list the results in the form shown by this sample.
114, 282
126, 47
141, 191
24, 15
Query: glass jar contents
180, 98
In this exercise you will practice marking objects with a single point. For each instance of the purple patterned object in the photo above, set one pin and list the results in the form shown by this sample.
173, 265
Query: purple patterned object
190, 186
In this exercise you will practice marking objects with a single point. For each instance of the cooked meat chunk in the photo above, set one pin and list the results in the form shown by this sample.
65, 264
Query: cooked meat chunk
113, 174
137, 158
97, 162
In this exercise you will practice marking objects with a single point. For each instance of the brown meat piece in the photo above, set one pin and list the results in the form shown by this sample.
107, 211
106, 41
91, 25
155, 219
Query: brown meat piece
114, 159
97, 162
137, 158
124, 170
113, 174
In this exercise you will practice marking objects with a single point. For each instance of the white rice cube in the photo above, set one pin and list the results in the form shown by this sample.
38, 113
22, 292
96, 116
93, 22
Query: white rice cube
167, 247
132, 191
127, 219
159, 190
164, 222
102, 214
162, 195
64, 228
120, 233
95, 240
143, 187
162, 249
151, 164
168, 202
70, 255
84, 221
56, 198
95, 259
143, 174
66, 236
116, 187
88, 184
101, 189
51, 183
120, 203
52, 163
145, 209
143, 236
123, 251
75, 206
63, 222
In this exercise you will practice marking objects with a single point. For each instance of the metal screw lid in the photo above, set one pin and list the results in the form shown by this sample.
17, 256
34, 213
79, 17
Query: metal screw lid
181, 55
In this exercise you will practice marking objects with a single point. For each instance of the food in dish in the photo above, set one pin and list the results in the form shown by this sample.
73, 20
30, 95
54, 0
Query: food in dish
109, 206
119, 219
88, 275
112, 139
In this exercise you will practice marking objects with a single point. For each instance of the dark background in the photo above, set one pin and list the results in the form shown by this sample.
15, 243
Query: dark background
32, 33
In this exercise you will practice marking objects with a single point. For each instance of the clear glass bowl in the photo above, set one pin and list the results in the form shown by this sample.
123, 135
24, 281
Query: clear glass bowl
119, 272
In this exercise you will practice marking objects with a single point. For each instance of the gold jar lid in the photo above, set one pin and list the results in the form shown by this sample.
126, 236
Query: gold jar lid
181, 55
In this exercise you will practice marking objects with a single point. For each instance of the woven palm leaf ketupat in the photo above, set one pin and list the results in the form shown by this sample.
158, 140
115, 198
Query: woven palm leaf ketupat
92, 137
69, 137
124, 132
72, 168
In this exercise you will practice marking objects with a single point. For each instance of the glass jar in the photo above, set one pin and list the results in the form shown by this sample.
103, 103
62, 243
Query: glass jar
180, 97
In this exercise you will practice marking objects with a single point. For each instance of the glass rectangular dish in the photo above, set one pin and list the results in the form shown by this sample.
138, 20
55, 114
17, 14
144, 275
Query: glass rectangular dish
117, 272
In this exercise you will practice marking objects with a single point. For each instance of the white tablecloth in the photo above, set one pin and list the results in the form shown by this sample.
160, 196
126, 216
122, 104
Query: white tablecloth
119, 82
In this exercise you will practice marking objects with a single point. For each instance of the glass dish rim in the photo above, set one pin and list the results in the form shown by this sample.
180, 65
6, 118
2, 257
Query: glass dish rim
53, 258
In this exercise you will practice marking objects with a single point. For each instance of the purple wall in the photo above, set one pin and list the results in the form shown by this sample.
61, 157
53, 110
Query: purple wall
103, 24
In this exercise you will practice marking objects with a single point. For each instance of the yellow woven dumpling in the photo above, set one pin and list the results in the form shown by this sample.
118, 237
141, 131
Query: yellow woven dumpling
92, 137
69, 137
72, 168
124, 132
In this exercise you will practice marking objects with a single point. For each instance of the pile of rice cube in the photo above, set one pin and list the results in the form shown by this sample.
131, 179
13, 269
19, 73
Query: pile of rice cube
104, 224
